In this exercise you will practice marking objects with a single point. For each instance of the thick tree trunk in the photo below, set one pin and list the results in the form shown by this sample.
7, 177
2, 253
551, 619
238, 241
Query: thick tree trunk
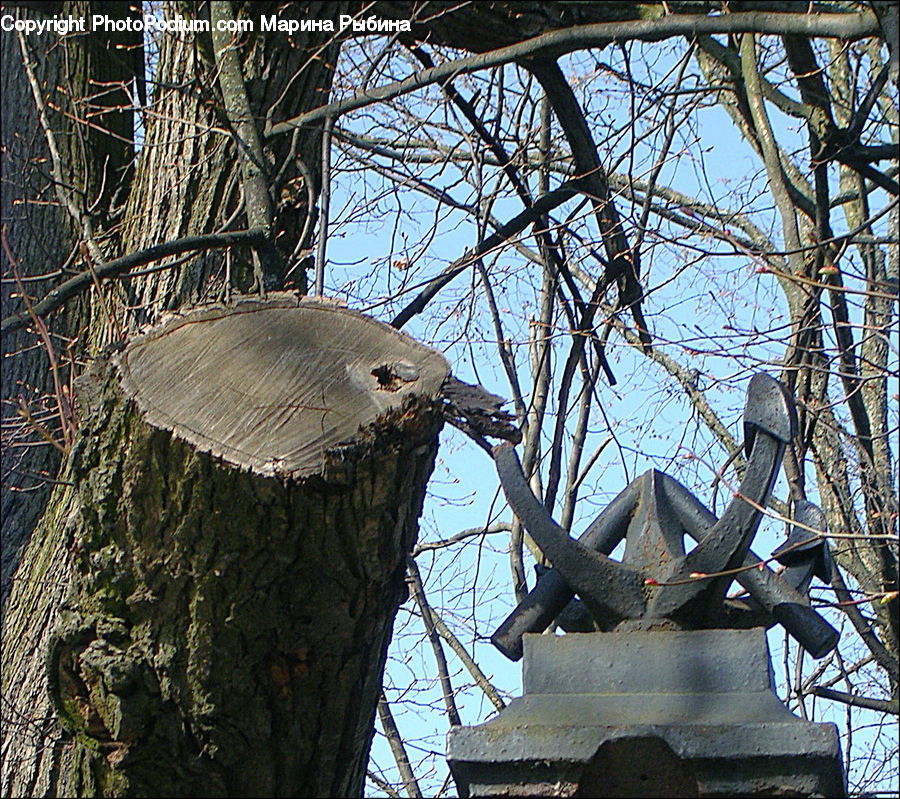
40, 232
238, 540
39, 235
34, 228
188, 178
185, 182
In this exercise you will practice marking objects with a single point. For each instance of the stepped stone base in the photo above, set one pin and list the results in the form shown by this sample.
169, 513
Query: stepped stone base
645, 714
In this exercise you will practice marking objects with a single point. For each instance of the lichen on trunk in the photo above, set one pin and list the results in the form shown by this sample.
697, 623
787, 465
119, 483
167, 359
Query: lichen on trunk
228, 624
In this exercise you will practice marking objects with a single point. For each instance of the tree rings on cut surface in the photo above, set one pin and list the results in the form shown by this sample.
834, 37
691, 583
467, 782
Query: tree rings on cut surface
276, 385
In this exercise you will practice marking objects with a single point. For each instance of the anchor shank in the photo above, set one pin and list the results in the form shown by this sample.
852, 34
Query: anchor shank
552, 593
535, 612
721, 548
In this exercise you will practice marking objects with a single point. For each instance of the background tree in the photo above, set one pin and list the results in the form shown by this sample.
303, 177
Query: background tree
607, 280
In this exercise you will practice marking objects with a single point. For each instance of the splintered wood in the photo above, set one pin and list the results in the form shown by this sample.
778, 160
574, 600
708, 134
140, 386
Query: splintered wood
272, 386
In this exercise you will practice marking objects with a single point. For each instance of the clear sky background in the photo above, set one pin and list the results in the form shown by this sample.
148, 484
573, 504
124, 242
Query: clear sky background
718, 311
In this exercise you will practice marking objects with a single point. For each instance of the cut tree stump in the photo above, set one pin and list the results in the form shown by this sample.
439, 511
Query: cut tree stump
249, 481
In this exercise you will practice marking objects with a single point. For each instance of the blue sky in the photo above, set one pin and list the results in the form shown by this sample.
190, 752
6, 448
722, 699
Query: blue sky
718, 313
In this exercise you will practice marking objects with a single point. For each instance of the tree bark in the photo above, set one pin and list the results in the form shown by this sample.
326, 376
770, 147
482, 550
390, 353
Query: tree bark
185, 182
30, 236
232, 603
39, 231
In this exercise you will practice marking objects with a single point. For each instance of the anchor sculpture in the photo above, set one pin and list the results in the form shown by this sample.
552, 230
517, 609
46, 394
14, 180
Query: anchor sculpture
658, 585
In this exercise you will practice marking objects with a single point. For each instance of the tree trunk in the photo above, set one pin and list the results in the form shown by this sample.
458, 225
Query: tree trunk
34, 228
238, 538
40, 233
39, 236
185, 181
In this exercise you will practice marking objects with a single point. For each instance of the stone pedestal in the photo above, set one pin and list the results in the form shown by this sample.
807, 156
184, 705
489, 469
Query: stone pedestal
644, 714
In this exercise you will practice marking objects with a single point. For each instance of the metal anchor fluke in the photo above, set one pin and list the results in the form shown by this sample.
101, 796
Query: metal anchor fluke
655, 585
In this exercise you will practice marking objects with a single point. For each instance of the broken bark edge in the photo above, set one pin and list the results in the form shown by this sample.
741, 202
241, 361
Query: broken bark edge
283, 387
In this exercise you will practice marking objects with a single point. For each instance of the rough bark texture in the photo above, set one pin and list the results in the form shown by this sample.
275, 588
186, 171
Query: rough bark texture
39, 231
188, 180
226, 631
40, 235
36, 233
185, 182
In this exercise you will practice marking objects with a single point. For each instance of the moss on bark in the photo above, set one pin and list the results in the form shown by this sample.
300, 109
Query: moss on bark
226, 632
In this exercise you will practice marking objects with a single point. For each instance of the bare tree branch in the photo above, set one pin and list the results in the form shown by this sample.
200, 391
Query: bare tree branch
258, 202
466, 659
418, 592
882, 705
84, 280
516, 225
399, 750
556, 43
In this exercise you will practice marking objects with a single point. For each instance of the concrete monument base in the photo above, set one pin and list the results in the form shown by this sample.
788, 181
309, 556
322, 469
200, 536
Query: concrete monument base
647, 714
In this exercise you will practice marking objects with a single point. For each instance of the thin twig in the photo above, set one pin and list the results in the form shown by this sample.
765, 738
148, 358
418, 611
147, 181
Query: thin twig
399, 750
383, 785
83, 280
418, 592
69, 197
517, 224
324, 204
466, 659
499, 527
567, 40
66, 422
